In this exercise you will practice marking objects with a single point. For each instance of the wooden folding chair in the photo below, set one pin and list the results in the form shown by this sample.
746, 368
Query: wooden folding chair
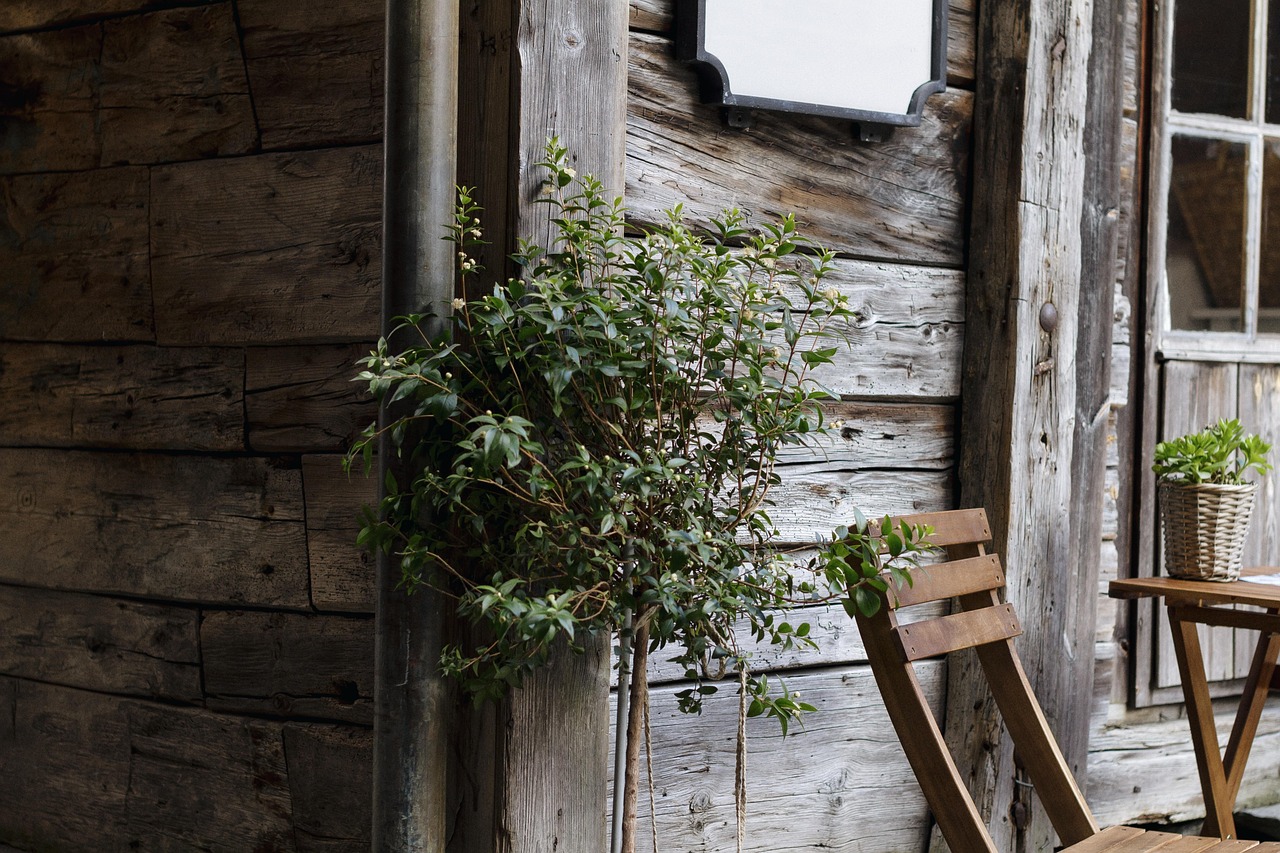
983, 623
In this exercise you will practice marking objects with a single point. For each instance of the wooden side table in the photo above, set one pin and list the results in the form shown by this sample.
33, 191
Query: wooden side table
1191, 603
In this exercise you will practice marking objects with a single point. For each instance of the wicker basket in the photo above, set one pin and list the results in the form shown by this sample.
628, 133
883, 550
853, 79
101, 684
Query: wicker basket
1204, 529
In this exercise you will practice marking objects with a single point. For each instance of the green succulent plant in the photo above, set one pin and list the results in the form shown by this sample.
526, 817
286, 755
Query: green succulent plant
1221, 454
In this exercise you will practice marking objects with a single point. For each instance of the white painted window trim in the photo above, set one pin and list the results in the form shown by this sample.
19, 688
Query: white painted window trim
1173, 344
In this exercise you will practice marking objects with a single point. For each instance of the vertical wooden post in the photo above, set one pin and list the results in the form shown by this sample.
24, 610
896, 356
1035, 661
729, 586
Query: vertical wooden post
412, 702
532, 69
1037, 326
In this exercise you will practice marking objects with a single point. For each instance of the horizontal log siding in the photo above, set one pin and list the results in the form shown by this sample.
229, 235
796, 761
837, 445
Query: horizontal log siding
189, 267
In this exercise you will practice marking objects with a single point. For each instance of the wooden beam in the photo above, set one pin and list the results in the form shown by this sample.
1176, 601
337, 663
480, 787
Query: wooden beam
1031, 318
304, 399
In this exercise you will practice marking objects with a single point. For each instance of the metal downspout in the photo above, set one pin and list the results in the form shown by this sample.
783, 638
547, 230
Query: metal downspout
412, 704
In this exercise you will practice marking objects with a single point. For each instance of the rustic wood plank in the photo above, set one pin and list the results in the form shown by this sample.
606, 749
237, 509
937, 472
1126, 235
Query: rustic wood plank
174, 87
35, 14
657, 16
316, 69
331, 799
955, 631
844, 771
1194, 395
881, 435
205, 781
60, 746
281, 248
1259, 401
98, 643
289, 665
305, 399
811, 501
177, 528
898, 200
949, 580
74, 251
133, 397
49, 120
342, 575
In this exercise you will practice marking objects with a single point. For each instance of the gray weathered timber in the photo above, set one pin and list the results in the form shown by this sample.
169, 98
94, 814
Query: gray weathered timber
315, 69
289, 665
329, 817
813, 499
342, 575
570, 80
900, 200
881, 436
150, 88
1260, 411
657, 16
34, 14
304, 398
184, 528
274, 249
840, 783
132, 397
1019, 382
100, 643
1145, 770
73, 248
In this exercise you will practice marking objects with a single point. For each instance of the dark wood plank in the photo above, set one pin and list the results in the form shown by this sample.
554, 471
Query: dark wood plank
342, 575
315, 68
331, 799
657, 16
206, 781
176, 528
48, 120
289, 665
305, 399
74, 251
99, 643
35, 14
174, 87
134, 397
281, 248
900, 200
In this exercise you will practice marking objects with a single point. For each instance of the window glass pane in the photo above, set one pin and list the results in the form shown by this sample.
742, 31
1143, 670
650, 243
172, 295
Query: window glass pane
1273, 61
1269, 275
1205, 253
1211, 57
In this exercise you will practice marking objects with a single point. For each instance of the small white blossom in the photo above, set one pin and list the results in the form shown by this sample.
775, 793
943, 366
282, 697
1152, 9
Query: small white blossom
459, 303
831, 294
768, 263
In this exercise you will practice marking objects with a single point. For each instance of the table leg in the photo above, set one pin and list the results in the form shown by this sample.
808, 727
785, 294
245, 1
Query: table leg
1218, 804
1252, 700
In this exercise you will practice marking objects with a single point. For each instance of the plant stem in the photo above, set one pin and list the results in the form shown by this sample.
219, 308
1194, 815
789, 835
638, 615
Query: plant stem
635, 731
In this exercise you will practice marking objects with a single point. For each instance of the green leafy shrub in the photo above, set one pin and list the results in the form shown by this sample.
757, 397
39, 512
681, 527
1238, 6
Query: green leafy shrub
598, 437
1220, 453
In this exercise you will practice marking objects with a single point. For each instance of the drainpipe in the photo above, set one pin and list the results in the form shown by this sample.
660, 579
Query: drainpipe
412, 703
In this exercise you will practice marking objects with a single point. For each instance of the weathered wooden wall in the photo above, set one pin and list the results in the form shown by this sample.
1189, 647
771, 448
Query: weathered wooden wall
896, 214
189, 266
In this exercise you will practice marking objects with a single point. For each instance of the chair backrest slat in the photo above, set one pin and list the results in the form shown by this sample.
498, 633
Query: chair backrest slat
950, 580
984, 623
964, 630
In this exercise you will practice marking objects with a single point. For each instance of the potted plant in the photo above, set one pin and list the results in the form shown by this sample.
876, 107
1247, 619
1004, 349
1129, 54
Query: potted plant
1205, 501
596, 441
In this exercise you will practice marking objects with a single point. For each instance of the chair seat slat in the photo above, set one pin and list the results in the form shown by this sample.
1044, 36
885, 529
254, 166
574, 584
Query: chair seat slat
950, 580
933, 637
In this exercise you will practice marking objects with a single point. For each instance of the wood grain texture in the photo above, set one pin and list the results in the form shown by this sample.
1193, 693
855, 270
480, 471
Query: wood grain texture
315, 69
151, 88
176, 528
342, 575
305, 398
73, 248
133, 397
841, 783
901, 200
1020, 385
275, 249
289, 665
331, 797
99, 643
657, 16
34, 14
812, 500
